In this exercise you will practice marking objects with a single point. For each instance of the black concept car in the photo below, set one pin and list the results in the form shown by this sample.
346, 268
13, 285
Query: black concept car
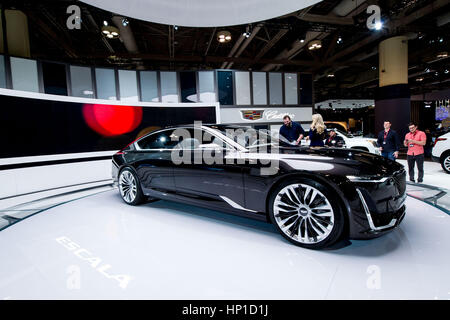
313, 196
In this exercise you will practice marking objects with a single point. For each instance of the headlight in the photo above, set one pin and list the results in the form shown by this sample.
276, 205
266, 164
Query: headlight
372, 179
373, 142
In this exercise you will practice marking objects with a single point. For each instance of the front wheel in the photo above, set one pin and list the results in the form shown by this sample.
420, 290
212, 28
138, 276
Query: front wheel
306, 213
445, 162
130, 188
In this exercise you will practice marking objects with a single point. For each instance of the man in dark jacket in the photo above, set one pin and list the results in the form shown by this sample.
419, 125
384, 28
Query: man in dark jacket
292, 131
334, 140
388, 142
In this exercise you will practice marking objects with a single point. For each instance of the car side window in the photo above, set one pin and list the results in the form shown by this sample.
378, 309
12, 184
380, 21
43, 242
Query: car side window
159, 140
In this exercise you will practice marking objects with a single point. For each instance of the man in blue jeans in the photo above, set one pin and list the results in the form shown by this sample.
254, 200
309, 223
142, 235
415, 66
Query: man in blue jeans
388, 142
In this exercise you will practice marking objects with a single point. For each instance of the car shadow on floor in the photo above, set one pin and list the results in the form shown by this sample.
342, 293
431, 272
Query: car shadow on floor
371, 248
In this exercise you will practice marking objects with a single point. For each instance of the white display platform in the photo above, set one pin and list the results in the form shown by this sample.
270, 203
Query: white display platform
90, 248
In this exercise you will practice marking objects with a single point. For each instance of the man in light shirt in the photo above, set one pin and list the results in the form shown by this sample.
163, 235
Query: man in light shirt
415, 140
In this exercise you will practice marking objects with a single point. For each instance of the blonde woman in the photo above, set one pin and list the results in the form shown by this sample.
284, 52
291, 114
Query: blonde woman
317, 133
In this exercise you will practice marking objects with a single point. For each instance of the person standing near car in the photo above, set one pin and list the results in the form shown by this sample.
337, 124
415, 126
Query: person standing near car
334, 140
388, 142
317, 133
292, 131
415, 140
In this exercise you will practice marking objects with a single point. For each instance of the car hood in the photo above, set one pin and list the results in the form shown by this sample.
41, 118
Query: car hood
356, 162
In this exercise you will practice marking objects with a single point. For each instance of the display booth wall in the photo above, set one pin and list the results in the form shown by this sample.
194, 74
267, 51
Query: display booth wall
51, 141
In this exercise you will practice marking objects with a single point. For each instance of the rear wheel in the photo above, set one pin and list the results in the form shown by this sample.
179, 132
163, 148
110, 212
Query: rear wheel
445, 162
130, 188
306, 213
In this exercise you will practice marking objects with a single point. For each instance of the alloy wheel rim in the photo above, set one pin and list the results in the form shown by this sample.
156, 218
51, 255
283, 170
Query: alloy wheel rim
127, 186
447, 163
303, 213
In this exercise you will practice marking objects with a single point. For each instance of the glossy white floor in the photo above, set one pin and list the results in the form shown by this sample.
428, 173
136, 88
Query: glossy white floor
91, 248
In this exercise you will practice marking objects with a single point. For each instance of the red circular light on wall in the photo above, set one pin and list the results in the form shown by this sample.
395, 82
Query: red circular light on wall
112, 120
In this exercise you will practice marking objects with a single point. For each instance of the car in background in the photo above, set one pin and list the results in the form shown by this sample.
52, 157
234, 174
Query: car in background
441, 151
359, 143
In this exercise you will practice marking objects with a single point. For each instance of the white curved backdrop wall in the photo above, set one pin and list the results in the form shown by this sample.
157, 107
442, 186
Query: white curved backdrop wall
202, 13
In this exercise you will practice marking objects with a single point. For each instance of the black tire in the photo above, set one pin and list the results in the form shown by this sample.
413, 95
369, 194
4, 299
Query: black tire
445, 162
130, 188
329, 216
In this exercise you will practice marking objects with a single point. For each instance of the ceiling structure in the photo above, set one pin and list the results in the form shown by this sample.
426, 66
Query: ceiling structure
345, 67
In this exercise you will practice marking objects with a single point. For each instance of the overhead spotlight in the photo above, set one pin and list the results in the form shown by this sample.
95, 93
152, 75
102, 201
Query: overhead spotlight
421, 35
427, 70
105, 23
247, 32
436, 73
446, 71
443, 54
441, 40
110, 32
330, 75
339, 40
378, 25
175, 27
302, 40
223, 36
315, 44
419, 79
374, 68
125, 22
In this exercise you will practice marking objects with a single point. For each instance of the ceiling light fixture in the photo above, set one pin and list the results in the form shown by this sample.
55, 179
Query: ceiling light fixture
419, 79
443, 54
105, 23
446, 71
315, 44
378, 25
302, 40
110, 32
247, 32
331, 75
223, 36
125, 22
339, 40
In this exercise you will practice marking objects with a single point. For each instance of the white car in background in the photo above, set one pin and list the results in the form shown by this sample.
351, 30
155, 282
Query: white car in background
360, 143
441, 151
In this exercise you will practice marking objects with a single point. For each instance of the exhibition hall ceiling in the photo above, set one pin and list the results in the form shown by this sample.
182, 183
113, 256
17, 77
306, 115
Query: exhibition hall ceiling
202, 13
344, 58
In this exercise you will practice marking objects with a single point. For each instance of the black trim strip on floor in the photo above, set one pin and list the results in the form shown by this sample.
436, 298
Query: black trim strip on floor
51, 189
51, 162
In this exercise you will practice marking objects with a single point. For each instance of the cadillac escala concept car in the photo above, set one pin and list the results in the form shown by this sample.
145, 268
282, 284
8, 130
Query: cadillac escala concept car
313, 196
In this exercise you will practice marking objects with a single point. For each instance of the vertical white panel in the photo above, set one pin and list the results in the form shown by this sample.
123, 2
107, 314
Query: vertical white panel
24, 74
275, 88
106, 84
149, 86
290, 88
206, 86
128, 85
81, 81
242, 79
259, 88
169, 87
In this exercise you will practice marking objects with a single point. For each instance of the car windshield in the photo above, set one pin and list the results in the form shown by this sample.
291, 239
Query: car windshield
248, 137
